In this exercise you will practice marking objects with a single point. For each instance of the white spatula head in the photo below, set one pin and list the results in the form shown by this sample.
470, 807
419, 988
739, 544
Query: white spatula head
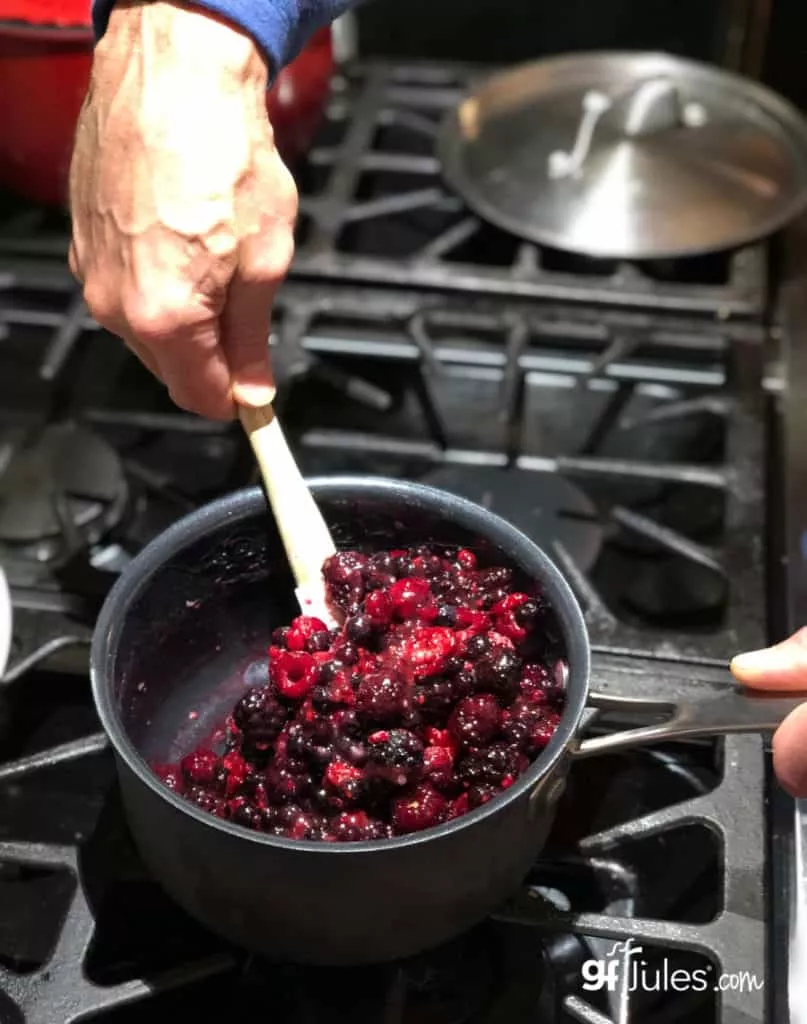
304, 532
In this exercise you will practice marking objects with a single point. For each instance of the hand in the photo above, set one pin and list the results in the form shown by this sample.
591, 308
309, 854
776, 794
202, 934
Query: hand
183, 212
783, 667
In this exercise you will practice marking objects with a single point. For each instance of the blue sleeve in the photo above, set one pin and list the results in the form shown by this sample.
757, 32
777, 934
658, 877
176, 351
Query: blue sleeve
281, 28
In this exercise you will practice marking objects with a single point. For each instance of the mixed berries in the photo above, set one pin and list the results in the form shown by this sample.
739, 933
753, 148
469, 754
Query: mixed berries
434, 695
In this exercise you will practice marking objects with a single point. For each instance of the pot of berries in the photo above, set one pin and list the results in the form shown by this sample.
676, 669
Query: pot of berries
359, 794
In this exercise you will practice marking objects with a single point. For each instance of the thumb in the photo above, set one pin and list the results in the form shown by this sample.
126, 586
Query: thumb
246, 323
782, 667
789, 753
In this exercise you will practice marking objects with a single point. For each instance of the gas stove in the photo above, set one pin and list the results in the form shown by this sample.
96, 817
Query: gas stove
623, 416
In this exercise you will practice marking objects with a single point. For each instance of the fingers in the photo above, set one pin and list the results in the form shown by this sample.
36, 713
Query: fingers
263, 263
790, 752
245, 326
782, 667
191, 364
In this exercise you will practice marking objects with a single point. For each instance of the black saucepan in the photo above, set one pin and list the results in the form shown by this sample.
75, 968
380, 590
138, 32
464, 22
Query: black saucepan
194, 610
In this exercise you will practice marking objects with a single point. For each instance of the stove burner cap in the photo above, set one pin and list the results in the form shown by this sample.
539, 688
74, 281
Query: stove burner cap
63, 478
545, 506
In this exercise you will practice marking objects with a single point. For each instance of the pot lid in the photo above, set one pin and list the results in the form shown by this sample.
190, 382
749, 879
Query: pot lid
628, 155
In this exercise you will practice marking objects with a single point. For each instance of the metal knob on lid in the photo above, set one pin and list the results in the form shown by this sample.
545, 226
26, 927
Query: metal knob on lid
628, 156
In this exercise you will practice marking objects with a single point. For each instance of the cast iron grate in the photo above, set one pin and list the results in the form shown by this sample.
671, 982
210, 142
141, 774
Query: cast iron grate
654, 425
120, 942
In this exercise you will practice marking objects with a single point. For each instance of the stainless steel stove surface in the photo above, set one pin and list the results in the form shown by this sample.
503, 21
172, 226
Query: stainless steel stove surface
616, 414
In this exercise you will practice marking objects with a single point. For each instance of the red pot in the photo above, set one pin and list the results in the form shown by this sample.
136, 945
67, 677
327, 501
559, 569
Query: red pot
44, 71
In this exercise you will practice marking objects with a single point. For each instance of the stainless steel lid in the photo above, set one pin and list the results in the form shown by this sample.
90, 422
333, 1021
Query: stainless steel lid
628, 155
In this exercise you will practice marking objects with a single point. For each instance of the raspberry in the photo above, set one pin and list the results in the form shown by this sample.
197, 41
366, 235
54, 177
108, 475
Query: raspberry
235, 770
438, 766
378, 608
200, 768
426, 651
344, 778
301, 630
169, 776
406, 596
423, 808
294, 674
466, 559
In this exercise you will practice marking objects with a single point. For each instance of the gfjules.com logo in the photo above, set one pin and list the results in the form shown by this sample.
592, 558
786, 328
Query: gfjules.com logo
623, 968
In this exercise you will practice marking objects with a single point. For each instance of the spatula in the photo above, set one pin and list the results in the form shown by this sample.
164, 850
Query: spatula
302, 529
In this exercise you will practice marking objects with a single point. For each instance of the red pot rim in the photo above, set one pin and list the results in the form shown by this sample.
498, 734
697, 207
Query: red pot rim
46, 33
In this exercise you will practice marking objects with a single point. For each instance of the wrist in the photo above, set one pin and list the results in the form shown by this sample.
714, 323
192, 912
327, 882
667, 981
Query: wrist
163, 33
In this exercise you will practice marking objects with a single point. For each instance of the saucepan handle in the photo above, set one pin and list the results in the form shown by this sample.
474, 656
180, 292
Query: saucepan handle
733, 711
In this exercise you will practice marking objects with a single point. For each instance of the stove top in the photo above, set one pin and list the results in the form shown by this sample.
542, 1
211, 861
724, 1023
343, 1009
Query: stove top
636, 854
618, 414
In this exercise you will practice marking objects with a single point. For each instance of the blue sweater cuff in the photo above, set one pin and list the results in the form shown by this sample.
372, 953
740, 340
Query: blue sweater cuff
281, 28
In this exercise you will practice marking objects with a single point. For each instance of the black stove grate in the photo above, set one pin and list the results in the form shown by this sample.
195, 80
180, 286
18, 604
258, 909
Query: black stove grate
656, 428
375, 182
693, 818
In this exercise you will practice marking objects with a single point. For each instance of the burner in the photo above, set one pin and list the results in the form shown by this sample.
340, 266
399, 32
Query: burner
64, 482
546, 506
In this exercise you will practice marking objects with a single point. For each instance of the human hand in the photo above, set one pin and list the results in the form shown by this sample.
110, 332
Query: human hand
183, 211
783, 667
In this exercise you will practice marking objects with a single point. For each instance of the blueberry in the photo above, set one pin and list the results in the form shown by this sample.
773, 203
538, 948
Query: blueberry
347, 653
491, 766
384, 563
527, 613
446, 615
498, 672
356, 827
280, 636
360, 629
244, 813
317, 642
257, 673
478, 646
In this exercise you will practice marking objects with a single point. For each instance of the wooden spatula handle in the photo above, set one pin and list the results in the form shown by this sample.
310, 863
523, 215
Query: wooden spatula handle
303, 530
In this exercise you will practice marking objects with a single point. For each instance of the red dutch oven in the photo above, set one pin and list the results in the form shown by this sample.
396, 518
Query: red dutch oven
45, 59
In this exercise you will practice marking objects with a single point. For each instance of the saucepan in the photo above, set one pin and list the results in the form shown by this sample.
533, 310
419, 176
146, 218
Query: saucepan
192, 614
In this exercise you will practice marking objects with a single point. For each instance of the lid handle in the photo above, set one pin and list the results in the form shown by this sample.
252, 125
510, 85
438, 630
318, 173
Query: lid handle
645, 109
565, 164
655, 106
